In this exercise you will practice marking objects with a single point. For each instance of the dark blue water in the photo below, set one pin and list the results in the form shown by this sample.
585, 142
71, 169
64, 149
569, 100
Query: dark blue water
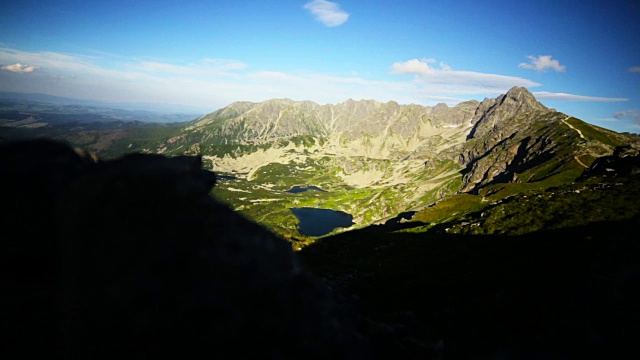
318, 222
299, 189
225, 177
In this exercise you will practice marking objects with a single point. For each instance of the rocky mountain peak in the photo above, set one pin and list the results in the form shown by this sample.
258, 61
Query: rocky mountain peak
500, 116
522, 98
440, 108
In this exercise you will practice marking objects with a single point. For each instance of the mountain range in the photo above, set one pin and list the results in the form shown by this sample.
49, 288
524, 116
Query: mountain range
373, 160
492, 229
377, 160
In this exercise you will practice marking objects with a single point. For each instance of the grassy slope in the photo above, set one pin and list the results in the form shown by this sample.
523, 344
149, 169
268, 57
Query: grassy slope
561, 170
571, 205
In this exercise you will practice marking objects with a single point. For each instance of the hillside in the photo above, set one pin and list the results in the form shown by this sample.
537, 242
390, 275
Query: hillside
548, 273
369, 160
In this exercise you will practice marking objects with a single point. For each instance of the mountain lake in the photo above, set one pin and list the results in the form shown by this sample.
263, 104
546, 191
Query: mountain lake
318, 222
298, 189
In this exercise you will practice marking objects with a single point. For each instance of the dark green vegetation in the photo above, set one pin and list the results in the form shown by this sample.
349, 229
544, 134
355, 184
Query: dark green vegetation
572, 205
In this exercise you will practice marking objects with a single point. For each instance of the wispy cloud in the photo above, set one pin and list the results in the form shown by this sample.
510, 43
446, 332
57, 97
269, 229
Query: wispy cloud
634, 69
211, 84
204, 67
208, 84
632, 114
444, 80
545, 95
327, 12
52, 61
543, 63
20, 68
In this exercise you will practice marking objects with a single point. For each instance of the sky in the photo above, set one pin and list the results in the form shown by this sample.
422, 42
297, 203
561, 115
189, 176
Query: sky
578, 57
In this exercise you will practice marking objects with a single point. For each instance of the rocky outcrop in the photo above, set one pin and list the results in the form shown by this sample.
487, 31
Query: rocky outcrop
625, 161
133, 258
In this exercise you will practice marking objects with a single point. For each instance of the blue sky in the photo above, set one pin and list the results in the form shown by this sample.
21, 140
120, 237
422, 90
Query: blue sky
579, 57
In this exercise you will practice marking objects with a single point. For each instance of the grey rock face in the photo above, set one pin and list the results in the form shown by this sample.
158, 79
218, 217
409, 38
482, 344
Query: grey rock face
279, 118
497, 116
274, 119
458, 115
507, 138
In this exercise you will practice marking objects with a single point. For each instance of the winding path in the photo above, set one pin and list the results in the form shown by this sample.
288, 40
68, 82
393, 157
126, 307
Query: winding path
571, 126
577, 157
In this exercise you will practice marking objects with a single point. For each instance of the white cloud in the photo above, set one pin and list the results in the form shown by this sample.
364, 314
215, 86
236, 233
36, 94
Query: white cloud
327, 12
414, 66
444, 80
634, 69
55, 62
632, 114
20, 68
545, 95
542, 63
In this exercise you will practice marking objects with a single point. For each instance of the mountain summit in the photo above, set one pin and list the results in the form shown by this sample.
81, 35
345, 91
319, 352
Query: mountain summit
505, 112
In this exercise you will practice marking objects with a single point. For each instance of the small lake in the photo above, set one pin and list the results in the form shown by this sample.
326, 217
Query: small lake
298, 189
225, 177
318, 222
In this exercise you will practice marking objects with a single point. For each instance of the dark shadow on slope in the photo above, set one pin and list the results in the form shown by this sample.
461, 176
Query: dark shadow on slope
132, 258
566, 293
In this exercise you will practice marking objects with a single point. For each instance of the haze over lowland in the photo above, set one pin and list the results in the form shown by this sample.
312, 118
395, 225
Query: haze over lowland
207, 55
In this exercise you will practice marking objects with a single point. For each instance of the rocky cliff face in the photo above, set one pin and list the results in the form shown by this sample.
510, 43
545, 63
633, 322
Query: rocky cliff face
512, 134
278, 118
379, 129
500, 117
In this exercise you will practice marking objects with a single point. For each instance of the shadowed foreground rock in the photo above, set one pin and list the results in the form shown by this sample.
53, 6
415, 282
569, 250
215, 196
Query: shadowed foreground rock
133, 257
